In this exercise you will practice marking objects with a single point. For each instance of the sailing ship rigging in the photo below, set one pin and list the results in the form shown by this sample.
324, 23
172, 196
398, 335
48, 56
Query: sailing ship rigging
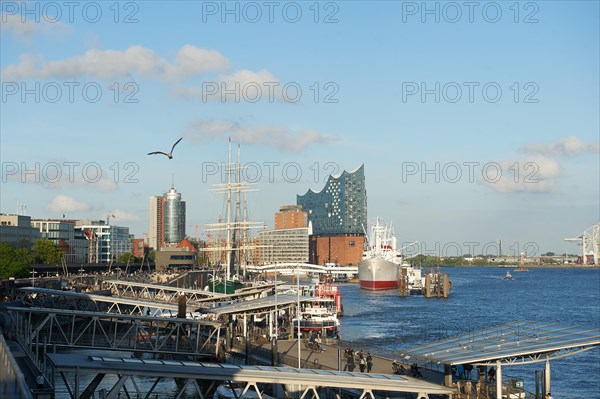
235, 248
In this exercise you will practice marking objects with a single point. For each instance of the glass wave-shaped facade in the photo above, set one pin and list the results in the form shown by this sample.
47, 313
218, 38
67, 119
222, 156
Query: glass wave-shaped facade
340, 208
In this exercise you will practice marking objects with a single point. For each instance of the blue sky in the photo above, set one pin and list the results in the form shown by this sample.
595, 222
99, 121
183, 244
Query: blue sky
156, 63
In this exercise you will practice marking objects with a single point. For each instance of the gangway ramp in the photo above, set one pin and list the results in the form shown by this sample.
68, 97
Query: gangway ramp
42, 328
250, 376
304, 268
48, 298
155, 292
168, 294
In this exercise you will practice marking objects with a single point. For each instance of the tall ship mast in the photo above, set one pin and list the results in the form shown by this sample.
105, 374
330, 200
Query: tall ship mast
237, 242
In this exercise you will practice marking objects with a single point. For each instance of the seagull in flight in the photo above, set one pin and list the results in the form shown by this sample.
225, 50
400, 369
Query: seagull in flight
168, 154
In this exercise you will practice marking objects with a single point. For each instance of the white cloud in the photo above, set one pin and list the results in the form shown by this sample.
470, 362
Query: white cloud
566, 146
280, 137
59, 175
123, 216
107, 64
537, 174
242, 86
89, 176
63, 203
28, 28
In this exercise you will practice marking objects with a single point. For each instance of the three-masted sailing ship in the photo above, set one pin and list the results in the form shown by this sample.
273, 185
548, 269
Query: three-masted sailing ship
229, 245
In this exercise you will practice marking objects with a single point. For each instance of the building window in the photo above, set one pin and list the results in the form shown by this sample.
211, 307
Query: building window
351, 243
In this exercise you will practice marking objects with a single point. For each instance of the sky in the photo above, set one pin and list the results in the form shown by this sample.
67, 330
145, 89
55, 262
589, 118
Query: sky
476, 121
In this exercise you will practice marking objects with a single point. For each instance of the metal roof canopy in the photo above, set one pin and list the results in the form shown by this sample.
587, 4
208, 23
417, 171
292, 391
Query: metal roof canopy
239, 373
518, 342
164, 288
260, 304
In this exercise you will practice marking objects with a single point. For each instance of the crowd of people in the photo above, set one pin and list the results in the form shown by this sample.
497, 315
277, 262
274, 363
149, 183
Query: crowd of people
364, 361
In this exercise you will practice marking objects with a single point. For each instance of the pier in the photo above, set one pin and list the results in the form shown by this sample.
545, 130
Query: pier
237, 341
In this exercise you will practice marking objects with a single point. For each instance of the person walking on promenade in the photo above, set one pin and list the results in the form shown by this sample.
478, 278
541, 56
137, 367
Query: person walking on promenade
362, 363
350, 359
40, 381
468, 369
369, 362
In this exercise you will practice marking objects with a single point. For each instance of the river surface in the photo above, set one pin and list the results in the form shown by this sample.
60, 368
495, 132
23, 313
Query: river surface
480, 298
385, 323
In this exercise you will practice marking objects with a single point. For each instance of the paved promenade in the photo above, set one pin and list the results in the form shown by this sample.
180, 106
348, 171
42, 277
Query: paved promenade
288, 353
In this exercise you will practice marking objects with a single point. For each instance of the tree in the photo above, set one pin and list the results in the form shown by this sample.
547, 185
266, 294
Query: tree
45, 251
14, 262
127, 257
152, 255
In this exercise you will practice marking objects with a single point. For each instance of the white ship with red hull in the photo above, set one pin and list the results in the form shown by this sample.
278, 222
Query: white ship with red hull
378, 274
381, 264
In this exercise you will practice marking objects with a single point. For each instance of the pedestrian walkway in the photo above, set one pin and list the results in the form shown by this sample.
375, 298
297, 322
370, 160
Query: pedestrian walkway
332, 358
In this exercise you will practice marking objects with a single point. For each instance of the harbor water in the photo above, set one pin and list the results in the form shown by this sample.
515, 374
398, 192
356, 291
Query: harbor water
384, 323
480, 297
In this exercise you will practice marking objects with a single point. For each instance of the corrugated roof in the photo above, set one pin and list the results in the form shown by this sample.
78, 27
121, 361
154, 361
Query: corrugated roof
519, 341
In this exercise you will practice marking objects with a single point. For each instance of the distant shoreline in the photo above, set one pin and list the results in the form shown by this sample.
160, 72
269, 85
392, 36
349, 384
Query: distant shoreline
526, 266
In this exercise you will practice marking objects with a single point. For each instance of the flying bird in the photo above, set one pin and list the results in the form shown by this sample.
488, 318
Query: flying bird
168, 154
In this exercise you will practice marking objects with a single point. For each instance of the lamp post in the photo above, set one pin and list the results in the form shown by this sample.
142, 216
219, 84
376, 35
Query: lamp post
298, 313
33, 273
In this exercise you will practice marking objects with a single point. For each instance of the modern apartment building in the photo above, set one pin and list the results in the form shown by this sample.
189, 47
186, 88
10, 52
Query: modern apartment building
106, 242
17, 231
72, 242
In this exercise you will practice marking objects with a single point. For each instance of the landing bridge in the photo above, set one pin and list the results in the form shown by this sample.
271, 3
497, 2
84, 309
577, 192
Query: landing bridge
311, 381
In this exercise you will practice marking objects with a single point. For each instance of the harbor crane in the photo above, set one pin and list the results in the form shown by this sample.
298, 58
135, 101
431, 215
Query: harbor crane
590, 244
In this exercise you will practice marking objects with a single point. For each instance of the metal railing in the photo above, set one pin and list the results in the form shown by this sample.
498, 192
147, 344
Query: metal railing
258, 353
12, 379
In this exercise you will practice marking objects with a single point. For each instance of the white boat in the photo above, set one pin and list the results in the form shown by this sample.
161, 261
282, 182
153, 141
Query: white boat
318, 315
380, 268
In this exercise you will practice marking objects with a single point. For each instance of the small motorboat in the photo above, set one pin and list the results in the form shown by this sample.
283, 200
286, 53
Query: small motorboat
508, 276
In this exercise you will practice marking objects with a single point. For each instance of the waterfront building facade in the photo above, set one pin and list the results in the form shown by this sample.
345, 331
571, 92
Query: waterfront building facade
340, 208
290, 217
166, 220
138, 247
338, 214
17, 231
182, 256
156, 228
284, 245
174, 217
63, 234
106, 242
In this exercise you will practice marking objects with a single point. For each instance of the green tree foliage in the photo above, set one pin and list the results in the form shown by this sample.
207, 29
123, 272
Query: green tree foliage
45, 251
152, 255
14, 262
127, 257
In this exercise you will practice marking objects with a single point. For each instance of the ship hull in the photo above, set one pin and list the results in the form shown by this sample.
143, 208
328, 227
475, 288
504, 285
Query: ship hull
378, 274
